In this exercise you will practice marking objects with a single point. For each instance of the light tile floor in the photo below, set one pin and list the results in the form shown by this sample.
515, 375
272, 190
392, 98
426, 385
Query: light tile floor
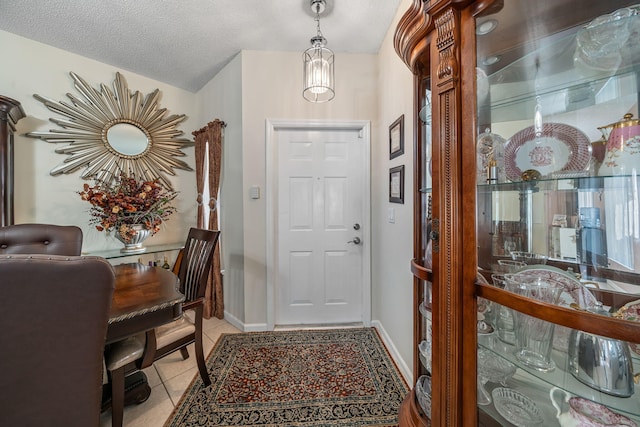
168, 378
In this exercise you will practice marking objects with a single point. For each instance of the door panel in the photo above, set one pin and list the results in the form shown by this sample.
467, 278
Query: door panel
300, 268
301, 203
319, 272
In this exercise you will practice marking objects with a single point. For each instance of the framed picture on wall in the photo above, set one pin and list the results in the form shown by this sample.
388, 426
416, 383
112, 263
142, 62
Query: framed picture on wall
396, 184
396, 138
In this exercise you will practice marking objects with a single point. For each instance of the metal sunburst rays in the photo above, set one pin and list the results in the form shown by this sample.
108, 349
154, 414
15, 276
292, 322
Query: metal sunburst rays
87, 120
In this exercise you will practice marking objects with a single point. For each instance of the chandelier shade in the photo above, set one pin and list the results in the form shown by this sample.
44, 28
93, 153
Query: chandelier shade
318, 64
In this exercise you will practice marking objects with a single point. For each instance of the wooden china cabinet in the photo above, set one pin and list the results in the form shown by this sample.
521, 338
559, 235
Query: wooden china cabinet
526, 141
10, 112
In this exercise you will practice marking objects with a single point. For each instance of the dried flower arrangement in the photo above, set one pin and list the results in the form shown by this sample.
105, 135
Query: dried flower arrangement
125, 202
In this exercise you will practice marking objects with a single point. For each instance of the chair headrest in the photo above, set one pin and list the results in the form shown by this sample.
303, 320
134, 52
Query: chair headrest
41, 239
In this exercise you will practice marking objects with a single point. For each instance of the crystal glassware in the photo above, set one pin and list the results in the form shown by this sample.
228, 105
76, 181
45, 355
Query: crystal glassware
534, 337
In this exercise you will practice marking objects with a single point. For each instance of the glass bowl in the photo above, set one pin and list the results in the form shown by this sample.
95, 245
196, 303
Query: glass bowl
516, 408
500, 280
493, 368
510, 266
423, 393
605, 34
425, 354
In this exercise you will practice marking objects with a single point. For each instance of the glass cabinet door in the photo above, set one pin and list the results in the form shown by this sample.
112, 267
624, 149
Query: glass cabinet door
423, 266
558, 212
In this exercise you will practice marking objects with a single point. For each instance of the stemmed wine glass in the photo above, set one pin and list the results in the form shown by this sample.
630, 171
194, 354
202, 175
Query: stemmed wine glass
492, 368
484, 398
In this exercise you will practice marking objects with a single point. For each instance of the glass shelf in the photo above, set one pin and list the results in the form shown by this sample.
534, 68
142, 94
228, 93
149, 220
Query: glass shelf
581, 183
551, 216
527, 379
152, 249
559, 74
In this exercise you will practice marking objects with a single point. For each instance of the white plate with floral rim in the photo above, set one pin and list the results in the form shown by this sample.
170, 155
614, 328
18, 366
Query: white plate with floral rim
558, 147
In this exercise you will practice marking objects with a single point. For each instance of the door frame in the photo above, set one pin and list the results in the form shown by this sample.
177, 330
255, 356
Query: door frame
271, 127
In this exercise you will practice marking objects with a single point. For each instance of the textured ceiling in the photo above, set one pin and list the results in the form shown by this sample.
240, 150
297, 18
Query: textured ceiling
186, 42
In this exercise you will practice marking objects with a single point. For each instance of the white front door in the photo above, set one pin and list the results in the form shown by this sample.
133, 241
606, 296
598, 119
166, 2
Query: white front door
322, 226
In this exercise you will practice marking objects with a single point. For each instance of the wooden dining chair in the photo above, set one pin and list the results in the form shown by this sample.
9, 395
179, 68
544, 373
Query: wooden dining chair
192, 267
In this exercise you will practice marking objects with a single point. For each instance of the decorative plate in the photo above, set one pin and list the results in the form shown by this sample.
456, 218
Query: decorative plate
516, 408
574, 292
630, 311
593, 413
560, 147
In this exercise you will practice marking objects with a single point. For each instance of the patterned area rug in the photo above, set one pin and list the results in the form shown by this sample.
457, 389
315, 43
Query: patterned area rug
336, 377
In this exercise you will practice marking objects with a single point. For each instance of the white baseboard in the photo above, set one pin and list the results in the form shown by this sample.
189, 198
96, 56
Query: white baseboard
233, 320
244, 327
395, 355
255, 327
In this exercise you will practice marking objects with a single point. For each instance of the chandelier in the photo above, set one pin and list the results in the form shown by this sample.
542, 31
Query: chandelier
319, 80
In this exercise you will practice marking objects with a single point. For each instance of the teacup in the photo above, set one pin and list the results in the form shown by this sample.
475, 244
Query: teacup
623, 147
586, 413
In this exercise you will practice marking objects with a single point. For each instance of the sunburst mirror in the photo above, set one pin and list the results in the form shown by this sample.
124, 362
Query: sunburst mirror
115, 132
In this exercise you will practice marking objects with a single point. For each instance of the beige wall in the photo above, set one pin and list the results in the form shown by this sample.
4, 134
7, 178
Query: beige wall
35, 68
393, 243
221, 99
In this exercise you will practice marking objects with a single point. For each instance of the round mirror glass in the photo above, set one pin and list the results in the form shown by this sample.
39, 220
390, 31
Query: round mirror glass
127, 139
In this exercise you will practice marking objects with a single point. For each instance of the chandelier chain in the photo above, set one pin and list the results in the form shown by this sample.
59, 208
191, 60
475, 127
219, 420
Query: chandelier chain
319, 33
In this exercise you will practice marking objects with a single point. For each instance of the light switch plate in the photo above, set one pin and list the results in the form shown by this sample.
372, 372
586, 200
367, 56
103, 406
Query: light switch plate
254, 192
392, 215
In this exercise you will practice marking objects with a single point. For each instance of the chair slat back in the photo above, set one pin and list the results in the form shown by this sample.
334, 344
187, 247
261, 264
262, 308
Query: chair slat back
196, 262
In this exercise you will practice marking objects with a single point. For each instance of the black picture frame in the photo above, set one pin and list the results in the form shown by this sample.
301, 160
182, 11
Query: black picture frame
396, 184
396, 138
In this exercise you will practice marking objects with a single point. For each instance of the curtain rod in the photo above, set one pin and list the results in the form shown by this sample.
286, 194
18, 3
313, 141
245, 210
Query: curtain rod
216, 122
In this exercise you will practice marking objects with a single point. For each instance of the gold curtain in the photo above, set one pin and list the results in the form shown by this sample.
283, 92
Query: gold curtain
209, 144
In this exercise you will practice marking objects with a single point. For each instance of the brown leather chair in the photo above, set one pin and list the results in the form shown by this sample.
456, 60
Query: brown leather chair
41, 239
137, 352
54, 313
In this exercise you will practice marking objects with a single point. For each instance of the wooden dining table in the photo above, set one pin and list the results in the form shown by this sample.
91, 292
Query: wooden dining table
144, 298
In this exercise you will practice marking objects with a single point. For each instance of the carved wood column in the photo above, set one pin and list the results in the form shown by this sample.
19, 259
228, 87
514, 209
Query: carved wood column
428, 39
10, 112
447, 250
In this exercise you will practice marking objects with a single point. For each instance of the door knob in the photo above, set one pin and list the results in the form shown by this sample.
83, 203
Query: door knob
355, 241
